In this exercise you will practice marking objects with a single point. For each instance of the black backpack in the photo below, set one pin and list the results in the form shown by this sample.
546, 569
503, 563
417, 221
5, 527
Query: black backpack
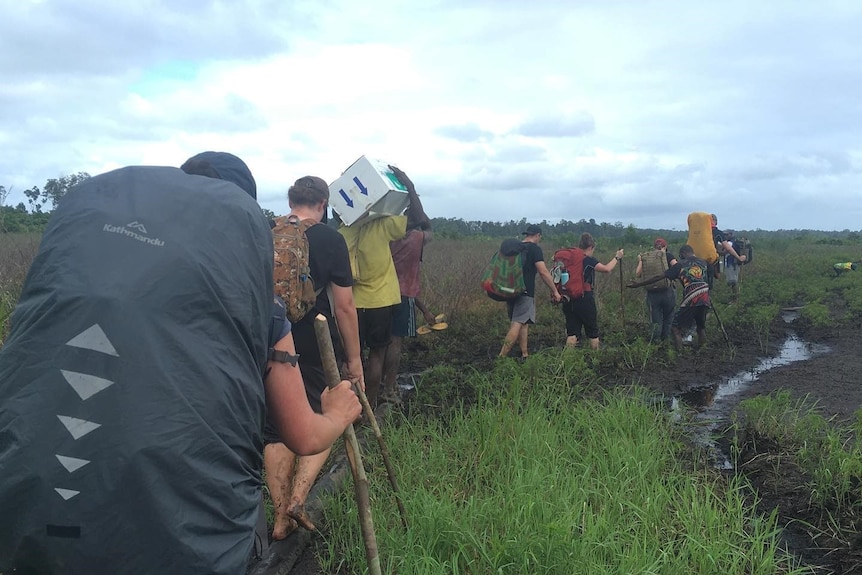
131, 380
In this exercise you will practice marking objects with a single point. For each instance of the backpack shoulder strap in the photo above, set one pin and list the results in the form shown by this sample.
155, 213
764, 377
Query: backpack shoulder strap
276, 328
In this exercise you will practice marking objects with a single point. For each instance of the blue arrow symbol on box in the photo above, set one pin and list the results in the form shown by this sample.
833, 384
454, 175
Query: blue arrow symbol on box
362, 189
347, 199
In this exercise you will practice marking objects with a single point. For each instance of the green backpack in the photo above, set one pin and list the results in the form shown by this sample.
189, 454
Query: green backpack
654, 262
503, 278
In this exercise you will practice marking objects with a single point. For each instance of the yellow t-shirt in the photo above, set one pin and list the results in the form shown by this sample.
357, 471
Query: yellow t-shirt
375, 283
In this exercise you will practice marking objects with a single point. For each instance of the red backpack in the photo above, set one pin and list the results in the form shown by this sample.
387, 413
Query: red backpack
568, 272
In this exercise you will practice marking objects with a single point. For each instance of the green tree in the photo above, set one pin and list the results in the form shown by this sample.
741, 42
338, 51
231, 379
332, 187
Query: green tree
34, 198
56, 188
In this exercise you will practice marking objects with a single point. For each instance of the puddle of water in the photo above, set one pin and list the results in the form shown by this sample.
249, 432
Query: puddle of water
712, 403
406, 383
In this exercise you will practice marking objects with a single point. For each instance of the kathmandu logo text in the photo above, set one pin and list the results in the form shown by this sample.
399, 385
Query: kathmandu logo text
134, 230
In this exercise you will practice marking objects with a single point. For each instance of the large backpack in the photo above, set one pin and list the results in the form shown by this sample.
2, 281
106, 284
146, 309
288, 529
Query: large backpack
743, 248
130, 382
700, 236
291, 274
569, 262
654, 263
503, 278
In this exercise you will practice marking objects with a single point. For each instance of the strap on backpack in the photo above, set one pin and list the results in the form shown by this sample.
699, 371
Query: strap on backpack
276, 326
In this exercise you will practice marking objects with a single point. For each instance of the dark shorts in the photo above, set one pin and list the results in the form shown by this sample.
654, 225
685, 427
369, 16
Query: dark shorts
375, 326
582, 315
685, 316
404, 318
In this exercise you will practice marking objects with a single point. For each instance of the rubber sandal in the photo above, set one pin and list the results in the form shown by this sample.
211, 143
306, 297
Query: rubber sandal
440, 318
440, 325
423, 330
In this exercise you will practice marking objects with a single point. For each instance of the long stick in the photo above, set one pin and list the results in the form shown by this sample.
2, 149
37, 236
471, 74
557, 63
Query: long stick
390, 471
366, 405
360, 480
622, 295
721, 325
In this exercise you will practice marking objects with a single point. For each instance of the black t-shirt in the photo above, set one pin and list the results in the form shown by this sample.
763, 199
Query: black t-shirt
590, 264
532, 255
328, 261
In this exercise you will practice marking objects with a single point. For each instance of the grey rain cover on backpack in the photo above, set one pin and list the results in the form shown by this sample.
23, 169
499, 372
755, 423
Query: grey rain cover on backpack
131, 396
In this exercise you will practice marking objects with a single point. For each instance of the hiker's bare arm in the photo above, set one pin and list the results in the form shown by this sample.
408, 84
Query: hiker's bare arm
426, 313
348, 326
609, 267
416, 216
640, 269
543, 272
303, 431
729, 248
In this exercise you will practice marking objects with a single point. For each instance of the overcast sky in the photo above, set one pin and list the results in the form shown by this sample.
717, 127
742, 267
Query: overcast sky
630, 111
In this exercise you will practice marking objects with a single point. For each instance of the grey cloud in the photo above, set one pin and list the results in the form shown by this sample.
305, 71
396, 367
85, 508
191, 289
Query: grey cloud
106, 37
464, 132
558, 126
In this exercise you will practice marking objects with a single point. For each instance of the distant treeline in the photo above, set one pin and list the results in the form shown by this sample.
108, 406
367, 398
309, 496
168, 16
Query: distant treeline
19, 220
567, 231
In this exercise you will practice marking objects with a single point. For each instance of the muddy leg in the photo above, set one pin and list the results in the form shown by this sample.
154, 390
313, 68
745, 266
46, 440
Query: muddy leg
511, 338
308, 467
279, 461
677, 338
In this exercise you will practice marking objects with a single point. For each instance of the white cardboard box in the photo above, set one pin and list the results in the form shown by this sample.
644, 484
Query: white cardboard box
367, 190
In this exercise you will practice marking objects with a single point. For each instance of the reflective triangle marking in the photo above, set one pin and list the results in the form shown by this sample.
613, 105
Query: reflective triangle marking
66, 494
78, 427
71, 464
86, 385
93, 338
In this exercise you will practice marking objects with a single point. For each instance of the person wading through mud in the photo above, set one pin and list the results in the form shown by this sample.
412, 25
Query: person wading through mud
692, 272
375, 282
522, 310
407, 256
289, 476
582, 313
661, 300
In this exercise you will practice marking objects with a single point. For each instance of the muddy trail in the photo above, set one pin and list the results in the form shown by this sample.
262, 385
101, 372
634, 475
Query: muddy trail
819, 363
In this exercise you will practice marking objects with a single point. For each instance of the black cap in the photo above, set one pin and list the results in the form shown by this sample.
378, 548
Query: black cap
532, 230
223, 166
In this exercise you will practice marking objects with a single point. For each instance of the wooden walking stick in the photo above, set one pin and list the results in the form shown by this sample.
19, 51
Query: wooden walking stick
390, 471
366, 406
622, 296
360, 480
721, 325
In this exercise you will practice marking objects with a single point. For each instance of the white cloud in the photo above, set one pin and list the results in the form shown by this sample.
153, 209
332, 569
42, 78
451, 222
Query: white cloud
616, 110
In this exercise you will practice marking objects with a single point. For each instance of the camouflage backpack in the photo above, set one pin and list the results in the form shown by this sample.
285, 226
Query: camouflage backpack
291, 274
655, 263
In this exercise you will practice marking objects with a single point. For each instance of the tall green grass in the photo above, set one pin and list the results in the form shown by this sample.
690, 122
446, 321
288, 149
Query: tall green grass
539, 477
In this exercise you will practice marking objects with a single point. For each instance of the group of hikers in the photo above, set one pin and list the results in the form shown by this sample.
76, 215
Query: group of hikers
571, 282
151, 375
